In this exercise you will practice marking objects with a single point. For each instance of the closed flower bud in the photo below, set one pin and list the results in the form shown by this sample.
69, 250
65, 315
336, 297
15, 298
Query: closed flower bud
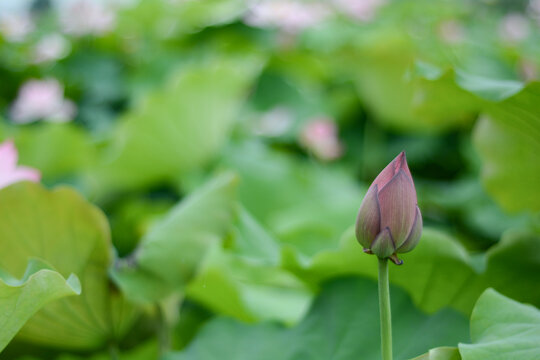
389, 221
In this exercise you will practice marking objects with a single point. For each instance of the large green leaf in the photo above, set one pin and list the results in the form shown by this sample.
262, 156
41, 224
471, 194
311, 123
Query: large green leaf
253, 242
343, 324
513, 265
245, 281
67, 232
502, 329
170, 254
180, 127
508, 140
305, 205
424, 99
234, 286
437, 274
20, 299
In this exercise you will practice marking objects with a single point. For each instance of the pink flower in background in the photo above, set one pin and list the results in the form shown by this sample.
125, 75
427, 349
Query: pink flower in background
363, 10
86, 17
9, 171
42, 99
320, 137
290, 16
451, 32
50, 48
514, 28
14, 27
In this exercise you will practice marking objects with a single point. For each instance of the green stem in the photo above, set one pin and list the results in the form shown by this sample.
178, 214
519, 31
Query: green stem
164, 338
113, 351
384, 308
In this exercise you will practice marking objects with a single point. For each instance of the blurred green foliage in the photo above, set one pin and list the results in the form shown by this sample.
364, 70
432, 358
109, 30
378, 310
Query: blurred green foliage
229, 144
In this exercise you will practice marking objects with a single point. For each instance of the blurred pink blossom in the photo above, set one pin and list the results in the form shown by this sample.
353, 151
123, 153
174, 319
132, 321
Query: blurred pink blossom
14, 27
50, 48
9, 171
42, 99
514, 28
275, 122
320, 137
451, 32
289, 15
363, 10
86, 17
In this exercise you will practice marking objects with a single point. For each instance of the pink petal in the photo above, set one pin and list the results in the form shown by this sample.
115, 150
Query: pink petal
26, 173
383, 246
391, 170
368, 221
19, 174
402, 165
397, 201
414, 234
8, 157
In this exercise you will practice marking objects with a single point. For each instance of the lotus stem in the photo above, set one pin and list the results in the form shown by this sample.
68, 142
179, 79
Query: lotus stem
113, 351
385, 311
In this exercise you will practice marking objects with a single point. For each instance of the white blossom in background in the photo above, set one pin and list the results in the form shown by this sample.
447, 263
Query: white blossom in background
50, 48
514, 28
42, 99
320, 136
289, 16
86, 17
10, 173
15, 26
275, 122
451, 32
363, 10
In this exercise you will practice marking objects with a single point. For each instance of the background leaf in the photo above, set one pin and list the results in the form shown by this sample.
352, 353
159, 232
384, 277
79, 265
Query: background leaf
516, 256
309, 210
236, 287
508, 140
341, 325
170, 253
180, 127
437, 274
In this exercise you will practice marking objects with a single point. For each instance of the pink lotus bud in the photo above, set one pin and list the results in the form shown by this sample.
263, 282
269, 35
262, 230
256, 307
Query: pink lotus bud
389, 220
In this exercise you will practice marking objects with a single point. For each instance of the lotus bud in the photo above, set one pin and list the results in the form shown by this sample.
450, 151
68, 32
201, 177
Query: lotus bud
389, 221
